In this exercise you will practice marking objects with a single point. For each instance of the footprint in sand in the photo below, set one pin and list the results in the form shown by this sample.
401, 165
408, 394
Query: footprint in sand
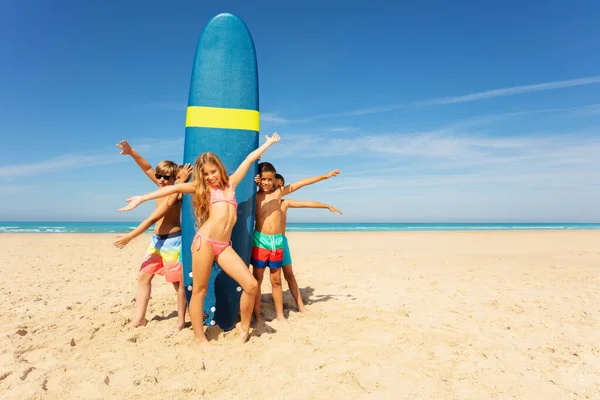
517, 309
145, 381
133, 339
93, 334
494, 303
26, 372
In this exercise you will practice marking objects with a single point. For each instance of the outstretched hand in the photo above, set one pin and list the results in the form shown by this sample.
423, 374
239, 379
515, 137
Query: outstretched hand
335, 172
121, 241
273, 139
124, 146
334, 210
184, 173
133, 203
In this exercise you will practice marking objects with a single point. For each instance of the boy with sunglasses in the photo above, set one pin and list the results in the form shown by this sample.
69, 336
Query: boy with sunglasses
163, 254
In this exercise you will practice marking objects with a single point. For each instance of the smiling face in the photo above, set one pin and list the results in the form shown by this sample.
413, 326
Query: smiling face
211, 175
210, 171
267, 181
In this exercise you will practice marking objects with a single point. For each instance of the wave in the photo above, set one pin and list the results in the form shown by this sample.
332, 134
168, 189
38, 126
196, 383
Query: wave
437, 228
16, 229
124, 227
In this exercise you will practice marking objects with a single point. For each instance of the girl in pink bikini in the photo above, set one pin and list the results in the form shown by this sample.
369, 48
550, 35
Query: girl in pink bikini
215, 208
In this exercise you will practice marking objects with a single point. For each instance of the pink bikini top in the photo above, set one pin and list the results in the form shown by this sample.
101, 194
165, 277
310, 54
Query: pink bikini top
217, 196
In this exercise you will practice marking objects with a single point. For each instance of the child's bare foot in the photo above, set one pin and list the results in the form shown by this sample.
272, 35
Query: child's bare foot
202, 342
204, 345
243, 337
179, 327
238, 326
139, 323
304, 310
281, 319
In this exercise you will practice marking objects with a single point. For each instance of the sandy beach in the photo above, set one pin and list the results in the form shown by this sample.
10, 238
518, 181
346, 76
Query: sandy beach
448, 315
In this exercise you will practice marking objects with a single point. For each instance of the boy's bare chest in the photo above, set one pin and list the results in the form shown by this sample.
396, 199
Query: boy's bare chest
266, 205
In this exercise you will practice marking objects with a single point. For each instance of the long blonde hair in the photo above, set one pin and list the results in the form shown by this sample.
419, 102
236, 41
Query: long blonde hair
201, 197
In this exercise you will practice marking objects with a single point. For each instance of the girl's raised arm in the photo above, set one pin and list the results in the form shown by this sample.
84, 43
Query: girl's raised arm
135, 201
239, 174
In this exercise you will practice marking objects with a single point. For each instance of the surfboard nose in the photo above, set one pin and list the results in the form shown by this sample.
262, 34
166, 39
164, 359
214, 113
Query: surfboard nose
225, 70
228, 17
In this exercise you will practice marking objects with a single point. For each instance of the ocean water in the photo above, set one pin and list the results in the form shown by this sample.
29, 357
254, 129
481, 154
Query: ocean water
122, 227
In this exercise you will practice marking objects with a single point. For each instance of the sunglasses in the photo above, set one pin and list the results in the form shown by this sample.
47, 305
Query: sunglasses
159, 177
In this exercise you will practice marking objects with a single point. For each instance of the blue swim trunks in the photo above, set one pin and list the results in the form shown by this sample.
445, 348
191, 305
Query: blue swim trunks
287, 256
267, 250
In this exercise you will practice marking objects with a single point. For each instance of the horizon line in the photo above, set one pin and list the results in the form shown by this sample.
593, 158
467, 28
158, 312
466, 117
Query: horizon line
342, 222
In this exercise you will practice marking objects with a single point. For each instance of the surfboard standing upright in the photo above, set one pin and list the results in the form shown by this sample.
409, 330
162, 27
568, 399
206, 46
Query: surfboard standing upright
223, 118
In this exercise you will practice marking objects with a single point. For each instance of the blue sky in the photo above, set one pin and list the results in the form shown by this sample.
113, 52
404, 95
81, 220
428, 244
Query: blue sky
433, 112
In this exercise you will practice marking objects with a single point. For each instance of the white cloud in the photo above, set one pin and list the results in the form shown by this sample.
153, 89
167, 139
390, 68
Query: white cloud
68, 162
491, 118
451, 159
354, 113
273, 118
62, 163
591, 109
502, 92
512, 91
344, 129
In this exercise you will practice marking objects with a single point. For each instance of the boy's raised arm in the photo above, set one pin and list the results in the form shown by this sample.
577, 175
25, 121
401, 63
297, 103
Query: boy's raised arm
126, 149
239, 174
158, 213
307, 181
311, 204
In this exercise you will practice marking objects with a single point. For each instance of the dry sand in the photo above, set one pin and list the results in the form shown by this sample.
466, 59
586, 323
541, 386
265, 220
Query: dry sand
468, 315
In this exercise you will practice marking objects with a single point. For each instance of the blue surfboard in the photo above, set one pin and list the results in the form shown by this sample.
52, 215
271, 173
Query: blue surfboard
223, 118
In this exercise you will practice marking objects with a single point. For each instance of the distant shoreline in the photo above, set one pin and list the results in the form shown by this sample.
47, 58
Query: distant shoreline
308, 227
344, 233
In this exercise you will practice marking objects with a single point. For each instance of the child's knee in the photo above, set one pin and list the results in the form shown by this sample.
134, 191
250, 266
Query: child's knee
258, 274
275, 279
251, 287
199, 289
144, 277
288, 275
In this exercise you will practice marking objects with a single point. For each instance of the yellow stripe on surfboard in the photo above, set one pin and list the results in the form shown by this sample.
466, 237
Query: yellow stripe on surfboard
224, 118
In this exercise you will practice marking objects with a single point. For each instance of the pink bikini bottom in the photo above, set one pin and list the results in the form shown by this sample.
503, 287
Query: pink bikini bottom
218, 247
